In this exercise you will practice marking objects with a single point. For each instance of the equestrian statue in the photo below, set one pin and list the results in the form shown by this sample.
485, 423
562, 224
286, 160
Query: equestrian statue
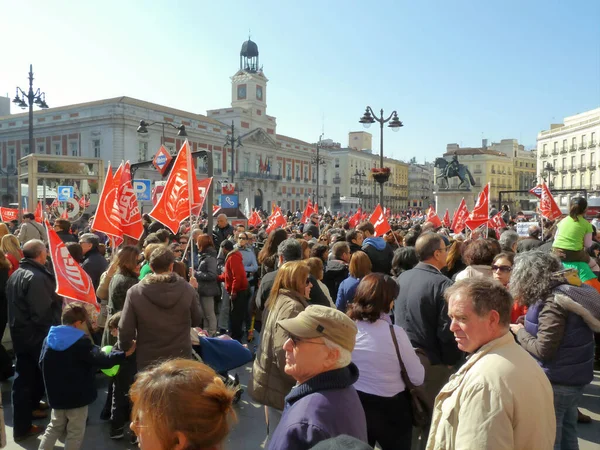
453, 169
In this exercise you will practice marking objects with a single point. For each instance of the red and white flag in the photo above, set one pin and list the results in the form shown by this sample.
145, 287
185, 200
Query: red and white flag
446, 220
126, 206
308, 210
433, 217
71, 280
8, 214
202, 187
460, 217
83, 202
548, 207
255, 219
355, 219
106, 220
216, 208
379, 221
276, 220
180, 194
496, 222
480, 214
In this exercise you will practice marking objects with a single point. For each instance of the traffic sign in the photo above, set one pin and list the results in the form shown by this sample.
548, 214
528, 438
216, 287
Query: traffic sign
65, 193
162, 159
142, 189
229, 201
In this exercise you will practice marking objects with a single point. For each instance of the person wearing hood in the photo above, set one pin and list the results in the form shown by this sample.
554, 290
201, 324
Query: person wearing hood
324, 403
69, 362
208, 287
160, 310
236, 285
337, 268
380, 253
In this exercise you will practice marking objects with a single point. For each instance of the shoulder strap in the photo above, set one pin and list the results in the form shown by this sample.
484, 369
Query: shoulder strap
403, 373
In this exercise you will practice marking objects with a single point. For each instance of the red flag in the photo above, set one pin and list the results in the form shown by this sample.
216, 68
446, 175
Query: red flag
276, 220
446, 219
202, 187
39, 212
254, 219
216, 208
480, 214
379, 221
83, 202
8, 214
308, 210
71, 280
104, 220
355, 219
460, 217
548, 207
174, 205
126, 206
497, 222
433, 217
65, 213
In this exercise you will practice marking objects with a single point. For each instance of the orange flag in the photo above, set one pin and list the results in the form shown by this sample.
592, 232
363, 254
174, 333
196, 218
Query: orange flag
480, 214
379, 221
126, 206
460, 217
71, 280
175, 204
106, 220
446, 220
254, 219
276, 220
433, 217
548, 207
308, 210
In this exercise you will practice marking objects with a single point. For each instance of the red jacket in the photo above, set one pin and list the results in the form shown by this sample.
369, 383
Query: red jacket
234, 274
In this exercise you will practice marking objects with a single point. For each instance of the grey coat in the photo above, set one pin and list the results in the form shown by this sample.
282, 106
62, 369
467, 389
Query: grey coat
206, 274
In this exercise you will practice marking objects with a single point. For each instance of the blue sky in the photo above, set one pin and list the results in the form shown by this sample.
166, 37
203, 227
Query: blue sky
455, 71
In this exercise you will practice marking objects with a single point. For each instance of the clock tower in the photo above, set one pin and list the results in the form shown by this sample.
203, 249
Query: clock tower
249, 84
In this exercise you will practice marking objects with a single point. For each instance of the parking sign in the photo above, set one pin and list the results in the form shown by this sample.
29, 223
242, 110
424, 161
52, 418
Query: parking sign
65, 193
142, 189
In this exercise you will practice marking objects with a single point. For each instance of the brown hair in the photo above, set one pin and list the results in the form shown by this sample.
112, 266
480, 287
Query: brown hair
304, 246
366, 226
374, 296
480, 252
127, 260
74, 312
360, 265
63, 224
3, 230
113, 321
161, 259
454, 254
292, 276
486, 295
204, 242
149, 249
10, 245
316, 267
185, 396
275, 238
577, 208
506, 255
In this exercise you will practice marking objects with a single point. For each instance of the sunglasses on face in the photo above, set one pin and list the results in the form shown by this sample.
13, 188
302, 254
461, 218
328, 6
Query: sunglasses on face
496, 268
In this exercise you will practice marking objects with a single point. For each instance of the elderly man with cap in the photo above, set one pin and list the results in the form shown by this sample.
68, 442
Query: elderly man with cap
323, 404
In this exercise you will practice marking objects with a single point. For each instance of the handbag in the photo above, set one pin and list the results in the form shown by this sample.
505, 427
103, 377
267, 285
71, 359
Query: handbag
421, 404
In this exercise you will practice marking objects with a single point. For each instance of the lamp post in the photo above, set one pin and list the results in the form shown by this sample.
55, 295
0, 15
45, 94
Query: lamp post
548, 169
143, 129
368, 118
318, 161
27, 100
360, 175
231, 141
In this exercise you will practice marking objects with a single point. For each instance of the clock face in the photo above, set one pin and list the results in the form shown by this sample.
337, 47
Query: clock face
241, 91
259, 92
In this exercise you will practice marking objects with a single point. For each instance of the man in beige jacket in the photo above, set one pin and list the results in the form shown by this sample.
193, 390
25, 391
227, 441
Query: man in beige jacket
500, 398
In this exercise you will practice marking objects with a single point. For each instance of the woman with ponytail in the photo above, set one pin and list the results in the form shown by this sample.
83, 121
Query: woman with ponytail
181, 405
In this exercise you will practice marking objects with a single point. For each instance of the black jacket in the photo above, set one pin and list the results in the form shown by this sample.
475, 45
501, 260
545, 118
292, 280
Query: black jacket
317, 297
65, 236
335, 273
313, 229
529, 243
95, 265
220, 234
381, 258
422, 312
33, 306
69, 362
354, 247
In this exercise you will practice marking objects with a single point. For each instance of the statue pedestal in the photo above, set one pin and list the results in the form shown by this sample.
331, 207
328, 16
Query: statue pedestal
450, 199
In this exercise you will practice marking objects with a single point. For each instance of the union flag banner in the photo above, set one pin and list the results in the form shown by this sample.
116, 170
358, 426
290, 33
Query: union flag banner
8, 214
202, 187
71, 280
106, 220
379, 221
548, 207
460, 217
355, 219
433, 217
480, 214
255, 219
176, 202
446, 220
126, 206
308, 210
276, 220
497, 222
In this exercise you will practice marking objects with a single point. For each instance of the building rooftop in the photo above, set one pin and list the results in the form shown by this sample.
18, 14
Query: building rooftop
474, 151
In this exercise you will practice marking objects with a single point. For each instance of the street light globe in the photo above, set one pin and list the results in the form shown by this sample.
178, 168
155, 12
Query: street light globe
367, 124
395, 129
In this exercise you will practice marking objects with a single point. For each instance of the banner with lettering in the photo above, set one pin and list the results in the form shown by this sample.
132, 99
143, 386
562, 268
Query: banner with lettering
379, 221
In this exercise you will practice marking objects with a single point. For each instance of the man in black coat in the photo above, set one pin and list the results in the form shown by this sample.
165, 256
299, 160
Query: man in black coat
355, 239
532, 241
222, 230
422, 312
313, 226
379, 252
33, 307
337, 268
94, 263
62, 228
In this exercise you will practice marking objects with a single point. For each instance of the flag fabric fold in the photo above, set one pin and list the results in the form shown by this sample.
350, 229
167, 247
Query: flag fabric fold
480, 214
446, 220
126, 206
379, 221
276, 220
460, 217
355, 219
433, 217
308, 210
255, 220
548, 207
497, 222
105, 219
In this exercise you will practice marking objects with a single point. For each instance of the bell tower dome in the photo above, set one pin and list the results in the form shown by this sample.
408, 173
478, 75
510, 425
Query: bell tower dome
249, 57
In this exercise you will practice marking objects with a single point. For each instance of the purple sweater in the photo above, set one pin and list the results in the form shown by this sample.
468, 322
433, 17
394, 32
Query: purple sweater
325, 406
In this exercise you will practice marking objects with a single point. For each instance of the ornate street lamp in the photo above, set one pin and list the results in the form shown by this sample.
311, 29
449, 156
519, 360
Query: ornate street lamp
233, 142
27, 100
317, 161
143, 129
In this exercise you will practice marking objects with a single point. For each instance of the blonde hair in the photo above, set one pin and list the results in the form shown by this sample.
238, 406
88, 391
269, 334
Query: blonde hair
10, 245
183, 396
316, 267
3, 230
149, 249
292, 276
360, 265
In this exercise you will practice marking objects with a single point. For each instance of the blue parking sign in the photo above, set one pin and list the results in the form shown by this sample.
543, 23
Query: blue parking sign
142, 189
65, 193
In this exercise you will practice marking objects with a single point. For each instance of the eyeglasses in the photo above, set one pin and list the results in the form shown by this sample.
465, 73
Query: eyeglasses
496, 268
296, 340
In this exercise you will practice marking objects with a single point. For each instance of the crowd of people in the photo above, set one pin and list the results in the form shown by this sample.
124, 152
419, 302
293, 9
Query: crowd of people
421, 338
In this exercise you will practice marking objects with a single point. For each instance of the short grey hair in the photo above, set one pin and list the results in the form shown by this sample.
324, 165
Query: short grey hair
507, 240
345, 357
531, 278
33, 248
290, 250
486, 295
90, 238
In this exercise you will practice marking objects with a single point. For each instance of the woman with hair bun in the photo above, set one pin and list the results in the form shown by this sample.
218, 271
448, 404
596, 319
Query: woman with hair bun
181, 405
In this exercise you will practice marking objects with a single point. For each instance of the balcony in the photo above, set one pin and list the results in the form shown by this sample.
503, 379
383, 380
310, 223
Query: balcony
563, 169
298, 179
217, 171
583, 166
477, 171
592, 144
545, 155
305, 179
493, 170
592, 165
573, 148
583, 146
259, 176
288, 178
573, 168
563, 151
324, 181
337, 180
555, 152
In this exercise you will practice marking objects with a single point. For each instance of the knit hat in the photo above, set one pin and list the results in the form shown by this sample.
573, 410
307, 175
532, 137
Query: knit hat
322, 321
